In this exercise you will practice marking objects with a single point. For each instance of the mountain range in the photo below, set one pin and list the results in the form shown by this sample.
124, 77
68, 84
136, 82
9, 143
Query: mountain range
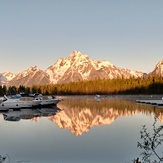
76, 67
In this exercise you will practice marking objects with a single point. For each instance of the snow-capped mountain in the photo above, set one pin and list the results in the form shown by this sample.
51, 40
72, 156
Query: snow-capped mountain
3, 79
158, 71
8, 75
33, 75
76, 67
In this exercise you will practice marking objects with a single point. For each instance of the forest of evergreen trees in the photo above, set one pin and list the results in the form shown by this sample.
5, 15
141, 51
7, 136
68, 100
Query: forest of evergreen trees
151, 85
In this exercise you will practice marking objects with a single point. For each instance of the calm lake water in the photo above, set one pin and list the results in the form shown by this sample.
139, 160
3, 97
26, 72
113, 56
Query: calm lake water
80, 130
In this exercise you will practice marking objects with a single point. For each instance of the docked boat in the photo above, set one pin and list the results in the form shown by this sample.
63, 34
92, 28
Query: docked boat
17, 102
48, 100
45, 100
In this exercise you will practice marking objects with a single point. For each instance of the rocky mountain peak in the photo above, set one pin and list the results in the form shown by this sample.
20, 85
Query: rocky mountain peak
76, 67
32, 75
159, 68
33, 68
3, 79
158, 71
75, 54
159, 65
8, 75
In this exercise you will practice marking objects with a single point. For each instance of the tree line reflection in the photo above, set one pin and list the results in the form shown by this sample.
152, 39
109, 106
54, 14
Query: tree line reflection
80, 113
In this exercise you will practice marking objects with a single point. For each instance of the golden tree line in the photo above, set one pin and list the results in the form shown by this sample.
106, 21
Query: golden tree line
150, 85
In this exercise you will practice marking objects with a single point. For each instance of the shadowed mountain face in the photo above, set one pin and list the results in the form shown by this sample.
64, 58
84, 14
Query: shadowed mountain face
79, 115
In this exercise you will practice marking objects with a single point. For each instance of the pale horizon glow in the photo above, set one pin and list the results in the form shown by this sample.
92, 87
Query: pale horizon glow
37, 33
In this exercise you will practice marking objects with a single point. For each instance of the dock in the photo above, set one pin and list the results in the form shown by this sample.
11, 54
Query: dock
151, 102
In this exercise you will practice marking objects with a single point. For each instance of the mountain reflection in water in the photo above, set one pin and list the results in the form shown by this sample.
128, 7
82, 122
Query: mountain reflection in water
105, 131
79, 114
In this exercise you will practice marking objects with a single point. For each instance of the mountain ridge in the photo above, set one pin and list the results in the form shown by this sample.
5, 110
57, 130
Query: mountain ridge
76, 67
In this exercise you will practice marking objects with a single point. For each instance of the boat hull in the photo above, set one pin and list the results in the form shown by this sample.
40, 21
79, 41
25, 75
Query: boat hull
18, 103
49, 102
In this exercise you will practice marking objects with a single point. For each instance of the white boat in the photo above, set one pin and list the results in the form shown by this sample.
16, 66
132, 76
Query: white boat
48, 100
45, 100
97, 98
17, 102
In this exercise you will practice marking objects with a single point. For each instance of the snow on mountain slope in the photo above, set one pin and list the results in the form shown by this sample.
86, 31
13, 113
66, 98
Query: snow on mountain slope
76, 67
32, 69
3, 79
75, 63
79, 67
33, 75
8, 75
158, 71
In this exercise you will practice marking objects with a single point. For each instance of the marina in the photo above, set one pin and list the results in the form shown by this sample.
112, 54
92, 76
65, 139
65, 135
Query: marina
20, 101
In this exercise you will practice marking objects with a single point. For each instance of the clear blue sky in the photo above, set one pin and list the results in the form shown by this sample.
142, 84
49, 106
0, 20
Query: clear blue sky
128, 33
